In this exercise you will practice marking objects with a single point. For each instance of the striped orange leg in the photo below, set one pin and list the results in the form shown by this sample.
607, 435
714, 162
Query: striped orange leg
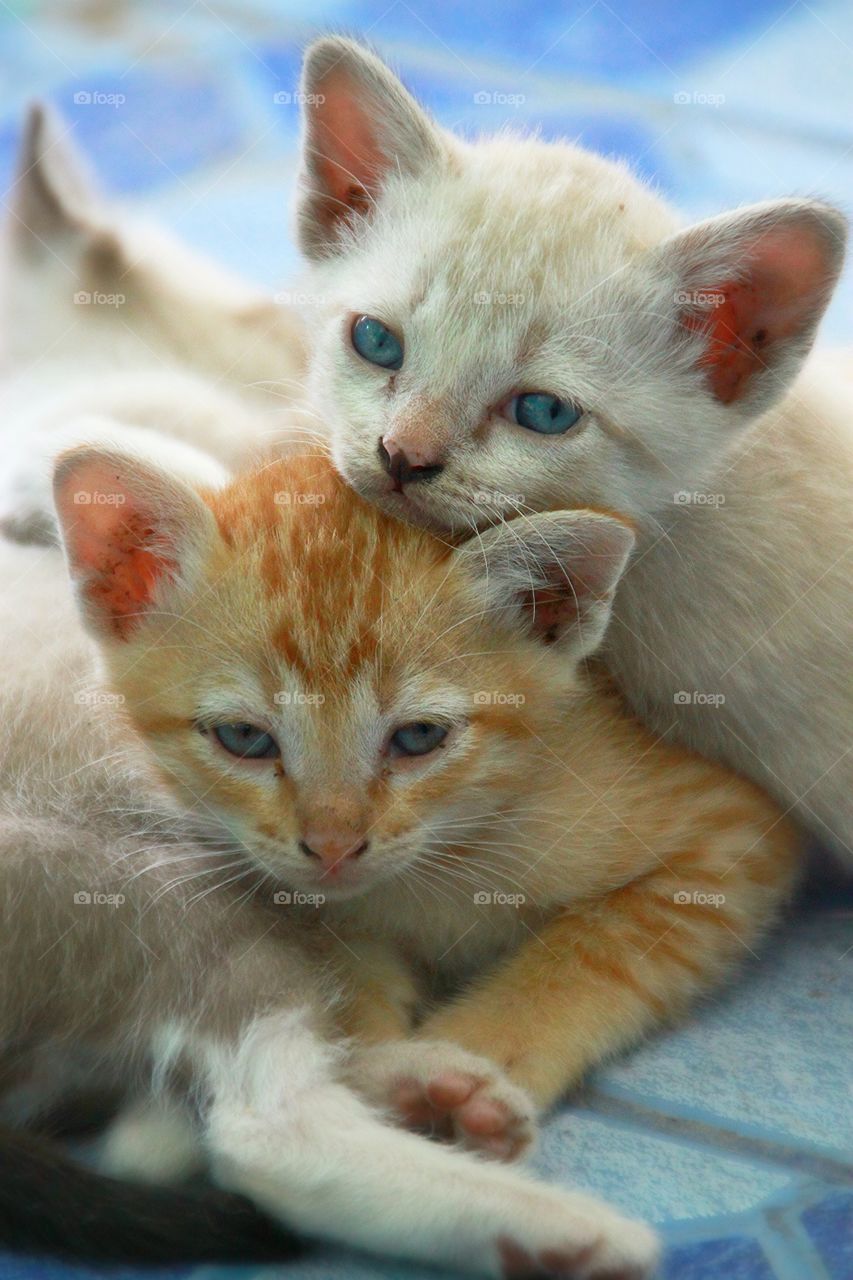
601, 975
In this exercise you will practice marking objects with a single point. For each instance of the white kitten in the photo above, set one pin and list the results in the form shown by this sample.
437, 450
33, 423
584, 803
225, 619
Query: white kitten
540, 334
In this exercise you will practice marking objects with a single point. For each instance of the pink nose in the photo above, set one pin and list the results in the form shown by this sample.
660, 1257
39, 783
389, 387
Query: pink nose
406, 466
331, 848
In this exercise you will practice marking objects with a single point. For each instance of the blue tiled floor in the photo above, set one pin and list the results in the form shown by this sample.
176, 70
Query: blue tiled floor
734, 1133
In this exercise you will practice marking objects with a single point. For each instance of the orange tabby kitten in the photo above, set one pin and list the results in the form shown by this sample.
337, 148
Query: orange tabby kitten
409, 730
242, 634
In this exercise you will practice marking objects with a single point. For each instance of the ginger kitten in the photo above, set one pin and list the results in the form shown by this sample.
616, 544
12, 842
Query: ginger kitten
402, 727
164, 932
508, 325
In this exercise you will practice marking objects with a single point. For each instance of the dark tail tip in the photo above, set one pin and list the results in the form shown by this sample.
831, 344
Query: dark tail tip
51, 1205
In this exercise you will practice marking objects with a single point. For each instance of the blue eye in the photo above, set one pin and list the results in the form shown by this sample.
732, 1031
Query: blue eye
246, 741
547, 414
418, 738
375, 342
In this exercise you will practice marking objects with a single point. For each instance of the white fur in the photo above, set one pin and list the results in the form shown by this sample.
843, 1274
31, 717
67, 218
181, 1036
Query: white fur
166, 345
283, 1130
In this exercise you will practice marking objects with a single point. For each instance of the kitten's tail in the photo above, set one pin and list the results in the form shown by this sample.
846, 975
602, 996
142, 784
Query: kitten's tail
51, 1205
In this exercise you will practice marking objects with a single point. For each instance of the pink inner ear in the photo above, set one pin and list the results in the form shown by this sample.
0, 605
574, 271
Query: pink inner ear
787, 276
108, 535
126, 574
552, 611
347, 158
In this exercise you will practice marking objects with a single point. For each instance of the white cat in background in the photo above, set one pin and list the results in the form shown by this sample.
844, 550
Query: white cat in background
510, 325
105, 321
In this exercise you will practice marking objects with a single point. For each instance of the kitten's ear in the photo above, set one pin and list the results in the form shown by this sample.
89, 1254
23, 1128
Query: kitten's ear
360, 123
130, 531
54, 192
555, 573
754, 284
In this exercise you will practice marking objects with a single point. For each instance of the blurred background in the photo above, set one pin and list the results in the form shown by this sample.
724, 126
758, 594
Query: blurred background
734, 1132
189, 107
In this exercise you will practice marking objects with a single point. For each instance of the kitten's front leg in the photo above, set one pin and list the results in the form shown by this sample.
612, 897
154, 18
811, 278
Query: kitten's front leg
598, 977
436, 1088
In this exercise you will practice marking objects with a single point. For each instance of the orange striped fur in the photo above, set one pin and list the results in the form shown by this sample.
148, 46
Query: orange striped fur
623, 877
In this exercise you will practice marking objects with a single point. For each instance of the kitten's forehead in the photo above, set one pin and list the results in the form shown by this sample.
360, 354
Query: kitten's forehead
520, 215
340, 587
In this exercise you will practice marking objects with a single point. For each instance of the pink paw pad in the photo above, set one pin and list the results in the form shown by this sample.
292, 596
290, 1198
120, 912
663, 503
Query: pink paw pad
550, 1264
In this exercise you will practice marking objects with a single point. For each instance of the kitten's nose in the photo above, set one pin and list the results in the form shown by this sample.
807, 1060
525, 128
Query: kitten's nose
404, 468
331, 849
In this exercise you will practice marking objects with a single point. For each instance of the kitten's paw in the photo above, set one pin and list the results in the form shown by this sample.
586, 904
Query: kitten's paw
439, 1088
594, 1242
